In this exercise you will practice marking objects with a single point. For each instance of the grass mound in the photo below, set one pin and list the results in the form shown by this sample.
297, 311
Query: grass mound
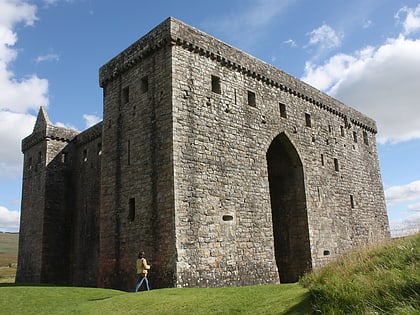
383, 280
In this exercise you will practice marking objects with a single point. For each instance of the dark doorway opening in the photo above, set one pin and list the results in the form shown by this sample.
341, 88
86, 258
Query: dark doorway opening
288, 206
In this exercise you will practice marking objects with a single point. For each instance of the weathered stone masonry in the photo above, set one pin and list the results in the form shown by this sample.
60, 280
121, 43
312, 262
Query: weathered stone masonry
224, 169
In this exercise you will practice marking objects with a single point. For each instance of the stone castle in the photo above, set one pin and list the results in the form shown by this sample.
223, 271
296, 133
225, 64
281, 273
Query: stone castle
222, 168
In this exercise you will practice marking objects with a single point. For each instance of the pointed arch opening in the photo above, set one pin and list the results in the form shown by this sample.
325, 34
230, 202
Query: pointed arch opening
288, 206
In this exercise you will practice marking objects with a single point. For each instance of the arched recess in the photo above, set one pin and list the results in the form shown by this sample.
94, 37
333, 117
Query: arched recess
288, 206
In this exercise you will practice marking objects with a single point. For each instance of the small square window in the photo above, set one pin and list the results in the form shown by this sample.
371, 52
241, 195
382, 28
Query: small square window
282, 110
251, 99
125, 95
216, 85
144, 84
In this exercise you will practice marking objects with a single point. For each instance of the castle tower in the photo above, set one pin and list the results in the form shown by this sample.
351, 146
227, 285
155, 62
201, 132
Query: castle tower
45, 216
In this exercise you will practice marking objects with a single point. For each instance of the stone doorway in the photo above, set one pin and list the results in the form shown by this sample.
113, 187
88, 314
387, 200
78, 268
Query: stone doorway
288, 206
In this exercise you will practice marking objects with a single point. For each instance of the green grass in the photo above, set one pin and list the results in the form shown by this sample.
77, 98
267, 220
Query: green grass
267, 299
382, 280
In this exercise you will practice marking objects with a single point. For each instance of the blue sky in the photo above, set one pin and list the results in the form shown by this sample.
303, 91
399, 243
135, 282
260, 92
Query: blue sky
364, 53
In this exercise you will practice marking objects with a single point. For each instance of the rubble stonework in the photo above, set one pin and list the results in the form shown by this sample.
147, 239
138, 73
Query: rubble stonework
222, 168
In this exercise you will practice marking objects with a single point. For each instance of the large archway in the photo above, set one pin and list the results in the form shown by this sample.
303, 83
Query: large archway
288, 205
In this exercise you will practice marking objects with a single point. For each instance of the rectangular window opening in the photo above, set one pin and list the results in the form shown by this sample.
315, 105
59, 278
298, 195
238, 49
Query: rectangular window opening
251, 99
125, 95
85, 155
342, 131
99, 149
308, 120
144, 84
30, 163
63, 157
352, 204
131, 209
216, 86
365, 138
283, 113
128, 152
322, 160
336, 166
355, 136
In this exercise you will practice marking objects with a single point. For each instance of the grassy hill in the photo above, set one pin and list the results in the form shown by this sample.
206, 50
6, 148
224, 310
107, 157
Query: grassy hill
381, 280
8, 256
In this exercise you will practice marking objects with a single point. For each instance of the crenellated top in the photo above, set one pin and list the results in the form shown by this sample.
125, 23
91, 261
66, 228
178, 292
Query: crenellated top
173, 32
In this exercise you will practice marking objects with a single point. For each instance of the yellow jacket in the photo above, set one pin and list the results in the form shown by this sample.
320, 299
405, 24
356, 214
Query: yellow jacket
142, 266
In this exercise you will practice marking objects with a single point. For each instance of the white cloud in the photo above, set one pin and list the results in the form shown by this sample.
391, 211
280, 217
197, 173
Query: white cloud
404, 193
414, 207
325, 37
9, 220
47, 57
290, 42
13, 128
91, 120
17, 94
411, 22
382, 82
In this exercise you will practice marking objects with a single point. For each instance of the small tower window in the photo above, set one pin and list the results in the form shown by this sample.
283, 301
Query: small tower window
99, 148
355, 136
336, 166
30, 163
308, 120
39, 157
63, 157
342, 131
215, 84
125, 95
144, 84
365, 138
128, 152
251, 99
322, 160
282, 108
352, 201
131, 209
85, 155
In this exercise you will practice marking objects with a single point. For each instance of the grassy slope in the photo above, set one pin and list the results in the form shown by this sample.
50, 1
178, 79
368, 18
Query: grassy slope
382, 280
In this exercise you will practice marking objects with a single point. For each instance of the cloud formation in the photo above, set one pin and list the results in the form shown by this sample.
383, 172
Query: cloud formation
382, 82
9, 220
404, 193
18, 95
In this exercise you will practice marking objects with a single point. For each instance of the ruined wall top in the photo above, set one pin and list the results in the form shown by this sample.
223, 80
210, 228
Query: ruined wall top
174, 32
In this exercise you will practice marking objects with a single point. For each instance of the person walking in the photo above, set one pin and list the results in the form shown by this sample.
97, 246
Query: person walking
142, 270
